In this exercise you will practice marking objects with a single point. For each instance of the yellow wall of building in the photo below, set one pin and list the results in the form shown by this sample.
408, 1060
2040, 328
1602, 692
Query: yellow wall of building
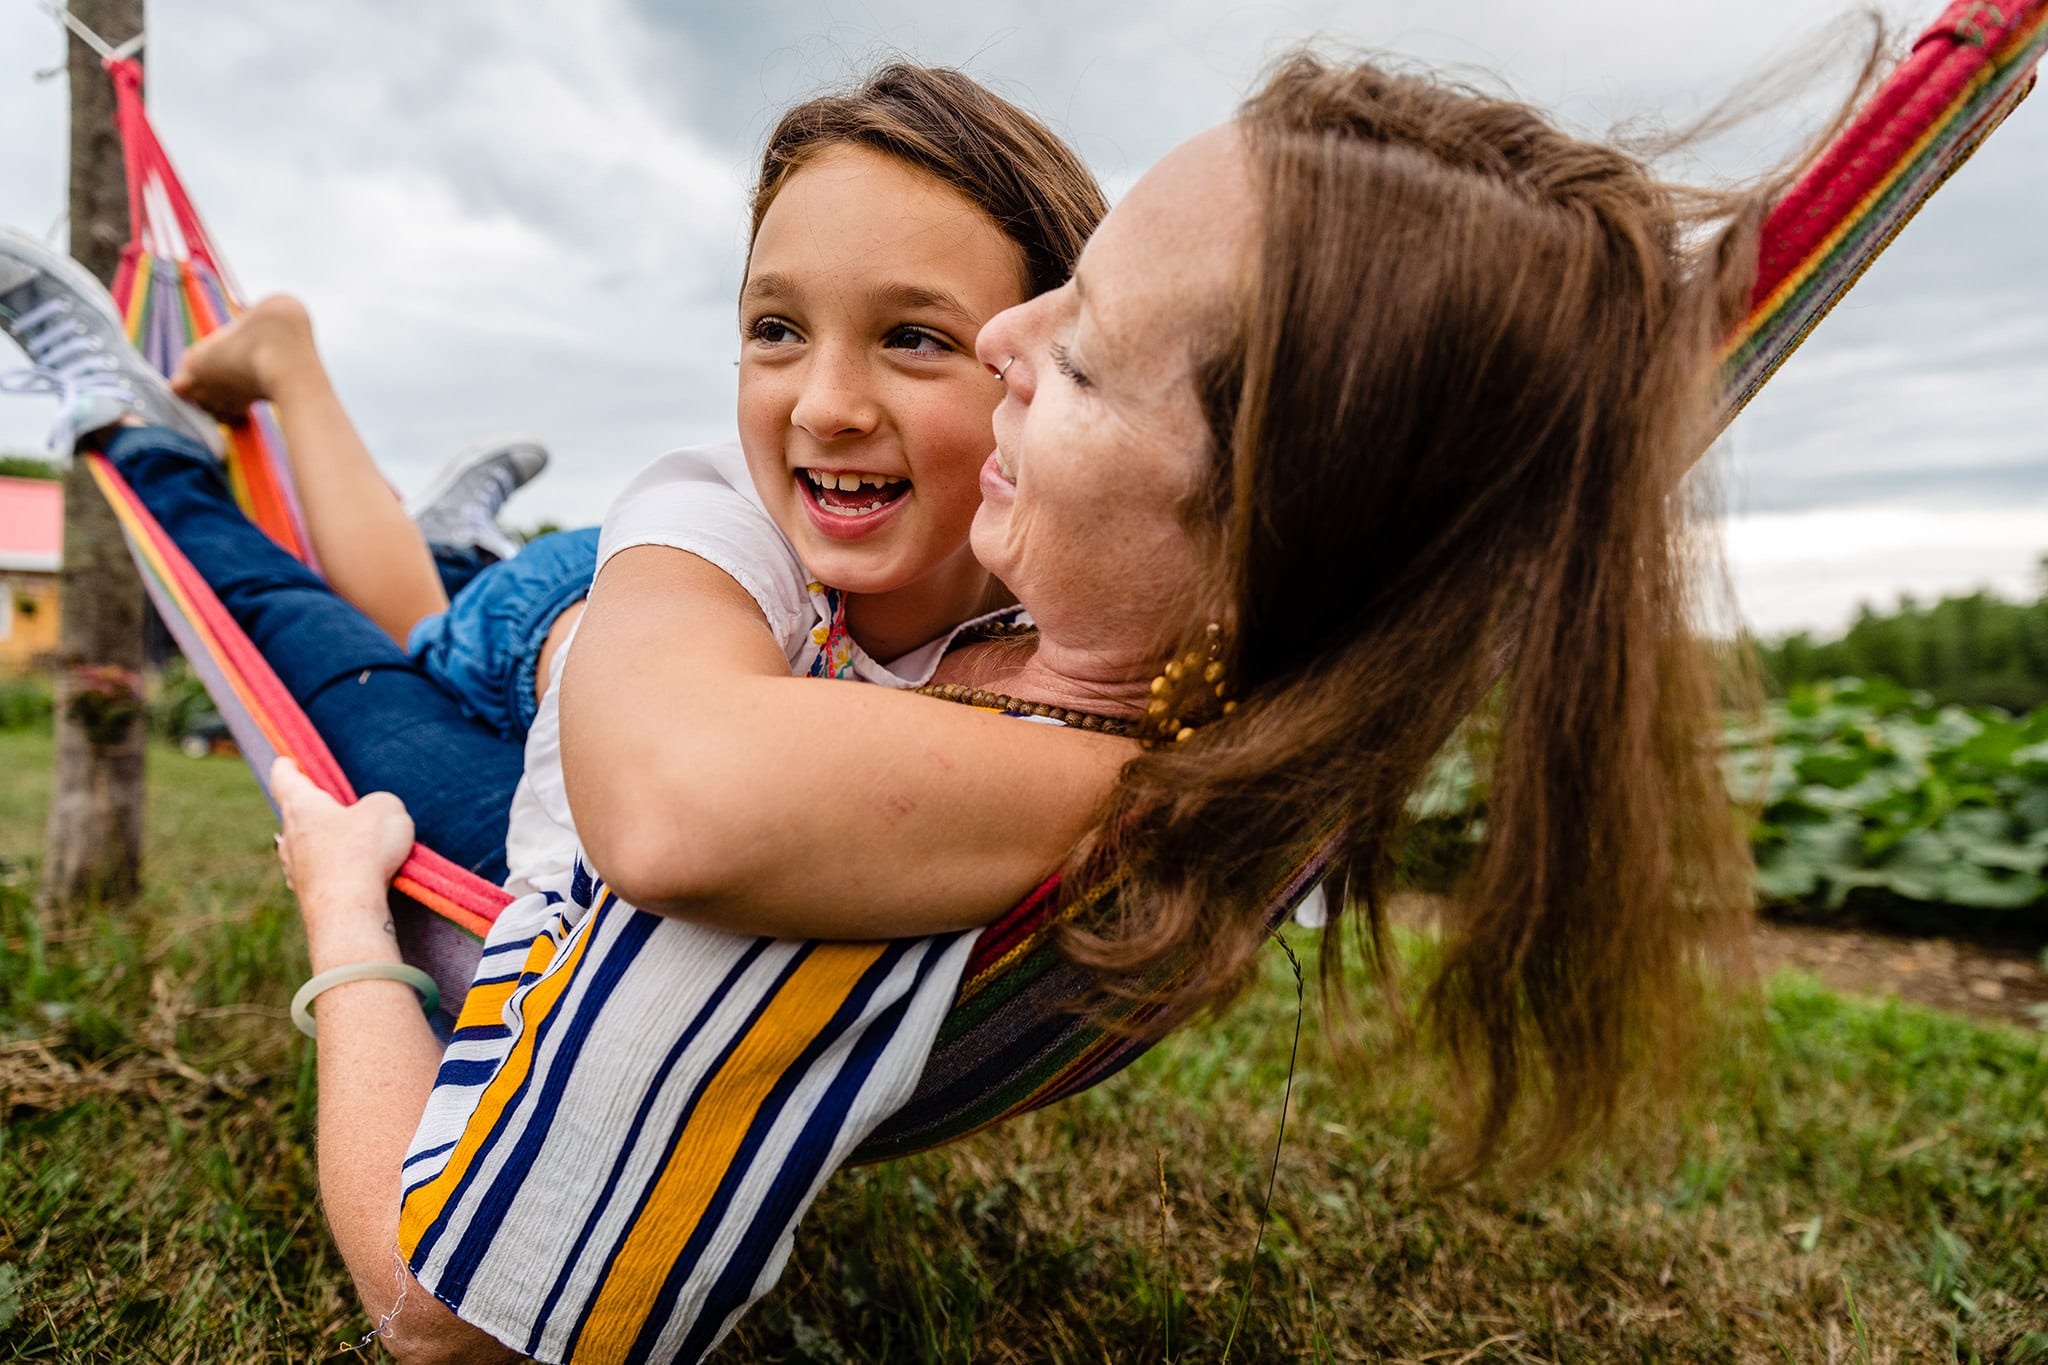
28, 619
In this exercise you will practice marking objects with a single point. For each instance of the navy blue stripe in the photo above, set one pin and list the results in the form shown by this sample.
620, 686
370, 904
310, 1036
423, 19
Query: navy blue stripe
632, 1138
496, 980
604, 976
473, 1072
814, 1142
430, 1152
515, 946
682, 1121
478, 1033
441, 1073
441, 1224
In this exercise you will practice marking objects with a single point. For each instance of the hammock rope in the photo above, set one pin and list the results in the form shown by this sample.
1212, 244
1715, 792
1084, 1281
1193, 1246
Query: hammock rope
1009, 1045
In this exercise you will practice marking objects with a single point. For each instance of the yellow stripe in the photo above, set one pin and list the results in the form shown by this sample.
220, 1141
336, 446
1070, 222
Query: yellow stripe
703, 1157
484, 1006
425, 1204
138, 294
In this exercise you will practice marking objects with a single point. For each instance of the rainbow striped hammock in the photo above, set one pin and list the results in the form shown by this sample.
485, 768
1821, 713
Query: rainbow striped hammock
1008, 1045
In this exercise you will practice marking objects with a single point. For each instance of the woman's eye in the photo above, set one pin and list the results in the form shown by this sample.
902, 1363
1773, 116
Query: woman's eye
1063, 361
771, 332
917, 339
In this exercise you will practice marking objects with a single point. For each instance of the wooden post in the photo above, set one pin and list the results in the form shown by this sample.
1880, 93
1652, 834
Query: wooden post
94, 845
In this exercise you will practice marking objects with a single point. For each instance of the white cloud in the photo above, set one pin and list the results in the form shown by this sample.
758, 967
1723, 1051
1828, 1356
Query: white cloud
1812, 570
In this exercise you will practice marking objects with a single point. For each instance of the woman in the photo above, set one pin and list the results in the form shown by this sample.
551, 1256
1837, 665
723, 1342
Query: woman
1363, 410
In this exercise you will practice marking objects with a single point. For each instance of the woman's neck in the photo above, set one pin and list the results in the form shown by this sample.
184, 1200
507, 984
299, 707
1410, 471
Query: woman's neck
890, 624
1052, 674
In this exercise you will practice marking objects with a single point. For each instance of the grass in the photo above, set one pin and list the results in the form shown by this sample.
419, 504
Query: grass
1853, 1182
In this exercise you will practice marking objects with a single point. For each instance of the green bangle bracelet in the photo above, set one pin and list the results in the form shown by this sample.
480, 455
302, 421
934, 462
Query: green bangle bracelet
430, 994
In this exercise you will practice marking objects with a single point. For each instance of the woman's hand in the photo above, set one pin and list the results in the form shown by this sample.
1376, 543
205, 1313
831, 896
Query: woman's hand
340, 859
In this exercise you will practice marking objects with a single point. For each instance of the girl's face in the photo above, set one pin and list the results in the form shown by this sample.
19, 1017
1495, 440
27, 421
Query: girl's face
862, 409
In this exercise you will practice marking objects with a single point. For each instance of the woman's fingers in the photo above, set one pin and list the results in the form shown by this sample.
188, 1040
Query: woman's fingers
324, 839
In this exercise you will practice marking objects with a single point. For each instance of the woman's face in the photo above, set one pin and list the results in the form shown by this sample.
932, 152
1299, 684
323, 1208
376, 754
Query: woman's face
862, 410
1100, 437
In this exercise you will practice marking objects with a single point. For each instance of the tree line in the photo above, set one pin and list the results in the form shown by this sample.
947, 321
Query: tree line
1978, 649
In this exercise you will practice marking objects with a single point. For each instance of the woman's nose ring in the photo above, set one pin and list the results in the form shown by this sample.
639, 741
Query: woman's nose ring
1005, 368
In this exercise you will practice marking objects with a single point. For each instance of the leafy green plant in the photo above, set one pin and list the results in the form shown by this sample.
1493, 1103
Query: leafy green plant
180, 704
1873, 794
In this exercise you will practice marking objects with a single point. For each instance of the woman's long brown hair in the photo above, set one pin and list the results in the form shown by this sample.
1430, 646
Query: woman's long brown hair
1470, 370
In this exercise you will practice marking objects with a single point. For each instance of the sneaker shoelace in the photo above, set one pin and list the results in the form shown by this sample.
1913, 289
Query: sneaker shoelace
64, 358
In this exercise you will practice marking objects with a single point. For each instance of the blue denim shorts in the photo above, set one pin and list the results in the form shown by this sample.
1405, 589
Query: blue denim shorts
484, 651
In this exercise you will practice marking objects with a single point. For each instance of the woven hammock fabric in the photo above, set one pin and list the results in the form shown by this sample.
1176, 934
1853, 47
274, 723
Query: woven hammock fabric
1962, 77
1008, 1047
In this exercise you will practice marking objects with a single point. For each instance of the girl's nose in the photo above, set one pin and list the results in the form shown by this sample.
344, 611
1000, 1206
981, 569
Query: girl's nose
834, 402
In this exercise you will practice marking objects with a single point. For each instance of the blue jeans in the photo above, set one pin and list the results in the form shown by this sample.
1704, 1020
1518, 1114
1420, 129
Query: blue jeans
390, 725
484, 650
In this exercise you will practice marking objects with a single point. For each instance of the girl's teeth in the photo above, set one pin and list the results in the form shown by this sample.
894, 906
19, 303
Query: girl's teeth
849, 483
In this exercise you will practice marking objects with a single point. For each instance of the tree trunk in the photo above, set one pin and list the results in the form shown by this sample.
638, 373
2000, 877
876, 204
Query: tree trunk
95, 835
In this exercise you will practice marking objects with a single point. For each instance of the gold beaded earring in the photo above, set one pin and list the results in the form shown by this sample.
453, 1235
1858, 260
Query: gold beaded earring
1189, 691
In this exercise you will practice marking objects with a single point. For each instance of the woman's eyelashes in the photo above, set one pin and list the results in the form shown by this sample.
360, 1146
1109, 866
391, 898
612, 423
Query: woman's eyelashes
1063, 361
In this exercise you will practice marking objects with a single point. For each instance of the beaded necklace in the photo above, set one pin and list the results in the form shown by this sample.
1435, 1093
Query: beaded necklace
997, 701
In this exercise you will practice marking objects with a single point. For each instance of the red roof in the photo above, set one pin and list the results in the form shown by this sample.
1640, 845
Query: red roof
31, 524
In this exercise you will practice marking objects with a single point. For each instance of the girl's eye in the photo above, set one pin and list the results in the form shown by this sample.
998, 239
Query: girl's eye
1064, 363
907, 338
771, 332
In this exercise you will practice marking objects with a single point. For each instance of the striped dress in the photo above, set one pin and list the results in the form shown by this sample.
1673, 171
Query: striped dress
634, 1111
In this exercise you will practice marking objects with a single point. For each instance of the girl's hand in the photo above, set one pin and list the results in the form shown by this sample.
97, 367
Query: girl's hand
340, 860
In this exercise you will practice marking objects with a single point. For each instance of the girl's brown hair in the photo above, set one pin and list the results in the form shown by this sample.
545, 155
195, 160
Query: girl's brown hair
1470, 368
953, 128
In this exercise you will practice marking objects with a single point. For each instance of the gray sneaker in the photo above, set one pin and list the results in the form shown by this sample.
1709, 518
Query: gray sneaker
78, 350
459, 508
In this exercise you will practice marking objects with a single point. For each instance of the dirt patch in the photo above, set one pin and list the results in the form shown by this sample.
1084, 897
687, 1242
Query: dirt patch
2001, 982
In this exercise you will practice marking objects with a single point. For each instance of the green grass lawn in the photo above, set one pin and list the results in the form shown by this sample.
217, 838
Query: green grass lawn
1851, 1182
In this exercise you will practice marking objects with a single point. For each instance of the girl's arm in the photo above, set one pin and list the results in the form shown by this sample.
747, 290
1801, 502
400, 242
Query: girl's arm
377, 1057
708, 783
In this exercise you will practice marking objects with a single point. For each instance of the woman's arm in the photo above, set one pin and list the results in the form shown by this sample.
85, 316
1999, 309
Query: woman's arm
708, 783
377, 1057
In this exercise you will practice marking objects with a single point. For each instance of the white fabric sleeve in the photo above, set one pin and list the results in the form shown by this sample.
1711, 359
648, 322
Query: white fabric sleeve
700, 499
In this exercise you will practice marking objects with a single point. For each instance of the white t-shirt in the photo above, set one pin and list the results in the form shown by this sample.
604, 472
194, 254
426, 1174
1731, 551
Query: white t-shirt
702, 500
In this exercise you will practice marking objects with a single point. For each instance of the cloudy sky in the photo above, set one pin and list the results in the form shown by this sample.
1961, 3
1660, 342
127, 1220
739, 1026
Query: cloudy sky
527, 217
